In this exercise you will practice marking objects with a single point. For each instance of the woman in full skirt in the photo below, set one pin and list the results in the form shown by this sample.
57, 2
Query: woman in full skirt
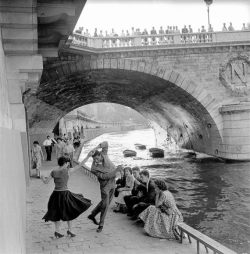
64, 205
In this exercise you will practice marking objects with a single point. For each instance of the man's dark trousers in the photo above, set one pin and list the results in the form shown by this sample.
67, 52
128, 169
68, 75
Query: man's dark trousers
48, 150
103, 205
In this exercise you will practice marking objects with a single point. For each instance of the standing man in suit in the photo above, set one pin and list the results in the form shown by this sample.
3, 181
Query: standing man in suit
48, 142
106, 172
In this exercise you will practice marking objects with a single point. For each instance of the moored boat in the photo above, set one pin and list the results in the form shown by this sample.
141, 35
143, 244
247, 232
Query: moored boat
129, 153
156, 152
140, 146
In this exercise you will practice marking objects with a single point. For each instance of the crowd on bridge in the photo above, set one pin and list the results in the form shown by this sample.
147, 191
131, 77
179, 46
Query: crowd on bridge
153, 37
146, 200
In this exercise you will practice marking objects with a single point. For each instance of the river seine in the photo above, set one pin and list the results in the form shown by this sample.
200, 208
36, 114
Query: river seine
214, 197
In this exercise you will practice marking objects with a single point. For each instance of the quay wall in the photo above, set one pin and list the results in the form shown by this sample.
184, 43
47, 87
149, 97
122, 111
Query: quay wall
12, 173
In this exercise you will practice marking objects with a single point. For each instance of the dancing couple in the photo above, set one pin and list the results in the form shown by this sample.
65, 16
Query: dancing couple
64, 205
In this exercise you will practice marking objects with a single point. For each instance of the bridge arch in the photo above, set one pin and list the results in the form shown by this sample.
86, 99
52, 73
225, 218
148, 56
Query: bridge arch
162, 95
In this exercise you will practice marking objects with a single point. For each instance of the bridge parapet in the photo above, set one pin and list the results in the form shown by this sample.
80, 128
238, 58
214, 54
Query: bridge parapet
159, 40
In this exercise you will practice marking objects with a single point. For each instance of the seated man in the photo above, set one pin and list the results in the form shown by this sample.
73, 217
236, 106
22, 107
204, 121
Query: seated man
149, 198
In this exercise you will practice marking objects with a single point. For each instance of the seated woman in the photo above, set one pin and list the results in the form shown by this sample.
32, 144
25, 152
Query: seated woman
120, 182
124, 191
161, 220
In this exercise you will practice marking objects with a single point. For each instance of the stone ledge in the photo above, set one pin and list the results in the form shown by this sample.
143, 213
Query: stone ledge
234, 108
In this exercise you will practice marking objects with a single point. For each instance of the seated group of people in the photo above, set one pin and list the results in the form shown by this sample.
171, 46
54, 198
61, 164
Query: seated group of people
149, 201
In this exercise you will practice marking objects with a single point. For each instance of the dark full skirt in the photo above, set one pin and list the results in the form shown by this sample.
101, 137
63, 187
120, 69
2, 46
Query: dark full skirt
66, 206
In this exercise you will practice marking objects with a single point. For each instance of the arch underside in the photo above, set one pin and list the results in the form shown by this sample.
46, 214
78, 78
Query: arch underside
159, 100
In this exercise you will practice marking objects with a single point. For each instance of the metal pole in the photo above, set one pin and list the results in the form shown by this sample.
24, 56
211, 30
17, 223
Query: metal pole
208, 16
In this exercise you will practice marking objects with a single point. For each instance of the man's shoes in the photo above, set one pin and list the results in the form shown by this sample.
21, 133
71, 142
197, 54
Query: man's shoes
129, 214
99, 229
91, 217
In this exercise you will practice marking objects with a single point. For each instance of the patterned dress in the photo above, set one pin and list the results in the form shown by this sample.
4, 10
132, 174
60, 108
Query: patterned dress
36, 155
161, 220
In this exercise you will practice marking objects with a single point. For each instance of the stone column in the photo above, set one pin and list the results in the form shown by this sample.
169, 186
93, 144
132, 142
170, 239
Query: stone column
236, 131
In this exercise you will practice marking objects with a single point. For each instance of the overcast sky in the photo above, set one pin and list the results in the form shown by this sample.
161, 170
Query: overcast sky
124, 14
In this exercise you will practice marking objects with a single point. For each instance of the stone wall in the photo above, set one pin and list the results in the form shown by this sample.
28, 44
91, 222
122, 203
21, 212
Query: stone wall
12, 174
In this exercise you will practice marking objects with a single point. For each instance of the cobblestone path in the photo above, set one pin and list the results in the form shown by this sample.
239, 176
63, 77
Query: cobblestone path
120, 234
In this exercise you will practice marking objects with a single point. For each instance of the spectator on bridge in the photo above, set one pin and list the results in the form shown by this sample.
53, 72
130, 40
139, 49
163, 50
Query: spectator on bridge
48, 147
177, 29
190, 29
100, 34
224, 28
184, 31
59, 148
127, 39
145, 37
244, 27
106, 172
113, 40
161, 219
37, 157
161, 31
230, 27
153, 39
161, 37
87, 34
123, 39
203, 36
124, 191
64, 205
170, 30
167, 30
95, 33
210, 28
68, 151
132, 31
137, 32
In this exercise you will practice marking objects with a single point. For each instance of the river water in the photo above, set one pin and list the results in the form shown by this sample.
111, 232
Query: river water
214, 197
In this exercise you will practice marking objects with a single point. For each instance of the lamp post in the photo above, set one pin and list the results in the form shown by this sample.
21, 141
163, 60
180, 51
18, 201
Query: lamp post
208, 3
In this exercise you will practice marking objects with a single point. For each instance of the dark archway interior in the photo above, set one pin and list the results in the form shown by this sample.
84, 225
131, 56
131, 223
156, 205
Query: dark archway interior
158, 100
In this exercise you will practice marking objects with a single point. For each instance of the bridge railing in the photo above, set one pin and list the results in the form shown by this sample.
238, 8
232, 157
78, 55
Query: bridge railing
158, 39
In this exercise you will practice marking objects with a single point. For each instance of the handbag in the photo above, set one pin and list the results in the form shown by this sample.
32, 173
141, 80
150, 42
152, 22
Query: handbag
34, 165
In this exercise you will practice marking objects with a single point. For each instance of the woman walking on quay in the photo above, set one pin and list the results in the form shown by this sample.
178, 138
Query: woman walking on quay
37, 157
63, 204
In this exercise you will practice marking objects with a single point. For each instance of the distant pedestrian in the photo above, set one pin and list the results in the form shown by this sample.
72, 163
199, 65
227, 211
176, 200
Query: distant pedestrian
37, 157
59, 148
68, 151
64, 205
48, 147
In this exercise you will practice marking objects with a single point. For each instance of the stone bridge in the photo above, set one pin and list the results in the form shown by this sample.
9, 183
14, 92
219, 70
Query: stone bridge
197, 92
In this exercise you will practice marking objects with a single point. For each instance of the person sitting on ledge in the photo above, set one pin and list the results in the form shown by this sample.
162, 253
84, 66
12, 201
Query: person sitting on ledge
124, 191
161, 219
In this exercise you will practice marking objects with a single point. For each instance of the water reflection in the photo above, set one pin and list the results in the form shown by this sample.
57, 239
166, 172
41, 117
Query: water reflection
214, 197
